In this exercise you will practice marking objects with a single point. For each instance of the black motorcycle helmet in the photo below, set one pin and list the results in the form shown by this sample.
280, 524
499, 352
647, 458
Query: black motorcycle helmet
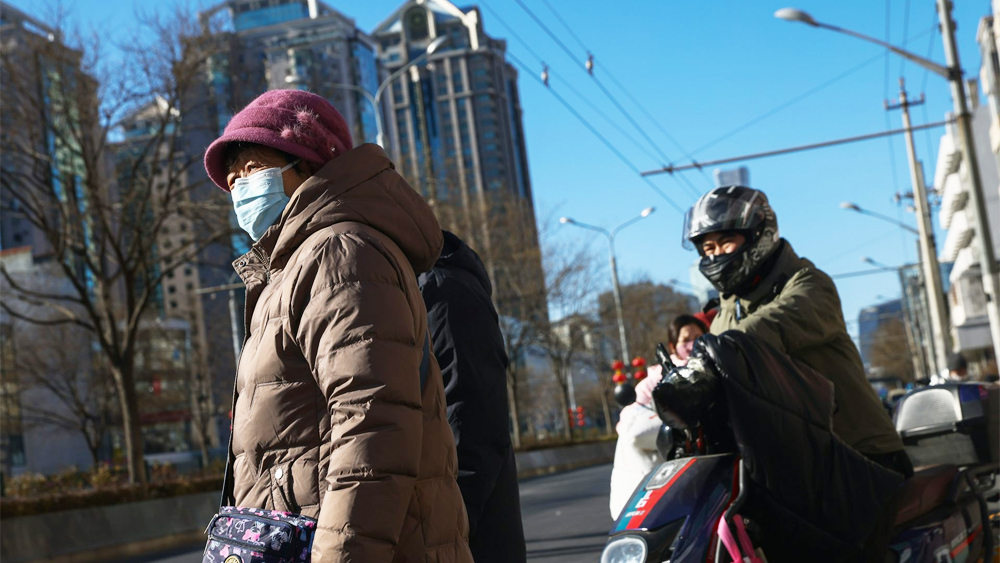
733, 208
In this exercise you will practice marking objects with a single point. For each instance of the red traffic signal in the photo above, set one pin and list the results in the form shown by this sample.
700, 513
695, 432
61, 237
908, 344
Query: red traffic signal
617, 365
638, 362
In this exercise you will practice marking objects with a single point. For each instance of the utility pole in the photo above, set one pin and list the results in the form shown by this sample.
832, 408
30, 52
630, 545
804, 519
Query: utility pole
618, 301
614, 269
234, 314
977, 204
939, 332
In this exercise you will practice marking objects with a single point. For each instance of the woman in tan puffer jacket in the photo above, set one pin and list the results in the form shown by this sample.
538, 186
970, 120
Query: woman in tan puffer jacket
330, 419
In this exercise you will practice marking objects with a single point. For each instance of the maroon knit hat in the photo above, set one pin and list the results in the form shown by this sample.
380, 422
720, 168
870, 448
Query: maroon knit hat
293, 121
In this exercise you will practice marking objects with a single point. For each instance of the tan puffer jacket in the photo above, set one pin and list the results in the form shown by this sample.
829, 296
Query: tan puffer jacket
330, 420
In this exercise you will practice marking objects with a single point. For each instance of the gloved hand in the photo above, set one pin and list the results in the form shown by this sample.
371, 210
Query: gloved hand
685, 394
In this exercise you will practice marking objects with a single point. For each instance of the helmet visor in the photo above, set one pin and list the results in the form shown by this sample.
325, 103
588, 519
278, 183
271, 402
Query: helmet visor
723, 209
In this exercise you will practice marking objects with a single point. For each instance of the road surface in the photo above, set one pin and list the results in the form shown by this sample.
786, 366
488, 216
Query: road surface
566, 519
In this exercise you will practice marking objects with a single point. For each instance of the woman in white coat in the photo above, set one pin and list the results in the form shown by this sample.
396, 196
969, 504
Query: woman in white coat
638, 424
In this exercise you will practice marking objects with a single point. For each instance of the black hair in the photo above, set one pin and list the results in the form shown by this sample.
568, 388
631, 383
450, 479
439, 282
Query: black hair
674, 332
236, 150
956, 362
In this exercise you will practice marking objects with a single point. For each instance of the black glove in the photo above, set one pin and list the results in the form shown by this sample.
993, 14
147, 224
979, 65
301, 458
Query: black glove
685, 394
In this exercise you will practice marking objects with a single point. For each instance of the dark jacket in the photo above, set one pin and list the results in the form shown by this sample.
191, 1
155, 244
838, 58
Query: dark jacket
796, 309
811, 492
330, 420
469, 348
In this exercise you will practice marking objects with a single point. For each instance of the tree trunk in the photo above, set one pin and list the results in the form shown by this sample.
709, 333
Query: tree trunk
203, 443
131, 428
564, 403
608, 429
95, 452
515, 418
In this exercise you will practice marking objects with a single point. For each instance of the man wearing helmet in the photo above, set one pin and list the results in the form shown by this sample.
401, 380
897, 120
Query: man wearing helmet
768, 291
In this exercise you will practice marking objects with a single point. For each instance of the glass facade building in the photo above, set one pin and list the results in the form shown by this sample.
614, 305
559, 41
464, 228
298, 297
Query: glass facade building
454, 125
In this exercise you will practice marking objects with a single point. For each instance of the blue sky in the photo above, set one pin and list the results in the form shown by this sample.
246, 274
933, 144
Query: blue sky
705, 68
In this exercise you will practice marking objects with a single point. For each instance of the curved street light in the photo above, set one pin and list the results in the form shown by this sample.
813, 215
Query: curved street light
966, 146
375, 98
796, 15
854, 207
877, 264
614, 266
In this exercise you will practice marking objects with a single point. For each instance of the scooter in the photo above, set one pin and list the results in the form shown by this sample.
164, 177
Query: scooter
688, 508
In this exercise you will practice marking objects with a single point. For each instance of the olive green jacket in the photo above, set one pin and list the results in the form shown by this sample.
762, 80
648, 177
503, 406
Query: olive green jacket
796, 309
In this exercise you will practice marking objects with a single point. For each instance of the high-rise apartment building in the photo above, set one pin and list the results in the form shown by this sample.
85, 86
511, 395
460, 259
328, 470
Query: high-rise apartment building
454, 120
732, 177
31, 87
302, 44
453, 126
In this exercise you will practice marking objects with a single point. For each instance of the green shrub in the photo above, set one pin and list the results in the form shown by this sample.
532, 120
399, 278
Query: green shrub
104, 475
162, 472
27, 505
27, 485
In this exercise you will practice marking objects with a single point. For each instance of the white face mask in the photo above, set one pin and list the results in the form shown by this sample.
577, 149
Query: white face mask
259, 199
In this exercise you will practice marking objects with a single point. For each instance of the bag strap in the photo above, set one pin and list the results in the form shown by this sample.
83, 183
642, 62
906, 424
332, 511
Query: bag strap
227, 481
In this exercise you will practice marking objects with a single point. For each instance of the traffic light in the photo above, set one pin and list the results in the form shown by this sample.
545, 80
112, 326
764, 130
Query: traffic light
580, 417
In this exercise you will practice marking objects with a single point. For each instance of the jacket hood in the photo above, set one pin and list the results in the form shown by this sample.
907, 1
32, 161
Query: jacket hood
457, 254
359, 186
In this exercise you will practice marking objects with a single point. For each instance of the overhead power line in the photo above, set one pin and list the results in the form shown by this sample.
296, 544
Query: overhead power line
885, 95
570, 86
601, 137
547, 69
906, 34
666, 159
785, 105
614, 79
565, 25
862, 273
800, 148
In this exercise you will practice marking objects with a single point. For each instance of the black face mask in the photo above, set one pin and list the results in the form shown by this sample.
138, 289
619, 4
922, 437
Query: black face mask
727, 272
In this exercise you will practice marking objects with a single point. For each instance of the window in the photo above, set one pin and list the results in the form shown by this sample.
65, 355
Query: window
173, 304
171, 289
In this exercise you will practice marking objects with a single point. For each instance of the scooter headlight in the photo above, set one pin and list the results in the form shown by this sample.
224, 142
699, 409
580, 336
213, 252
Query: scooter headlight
626, 549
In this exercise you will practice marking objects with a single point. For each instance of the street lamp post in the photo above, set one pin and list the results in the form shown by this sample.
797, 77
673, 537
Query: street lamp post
886, 218
963, 122
376, 98
937, 324
614, 267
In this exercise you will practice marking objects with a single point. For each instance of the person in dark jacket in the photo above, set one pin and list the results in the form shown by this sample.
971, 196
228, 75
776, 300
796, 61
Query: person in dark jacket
768, 292
470, 349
